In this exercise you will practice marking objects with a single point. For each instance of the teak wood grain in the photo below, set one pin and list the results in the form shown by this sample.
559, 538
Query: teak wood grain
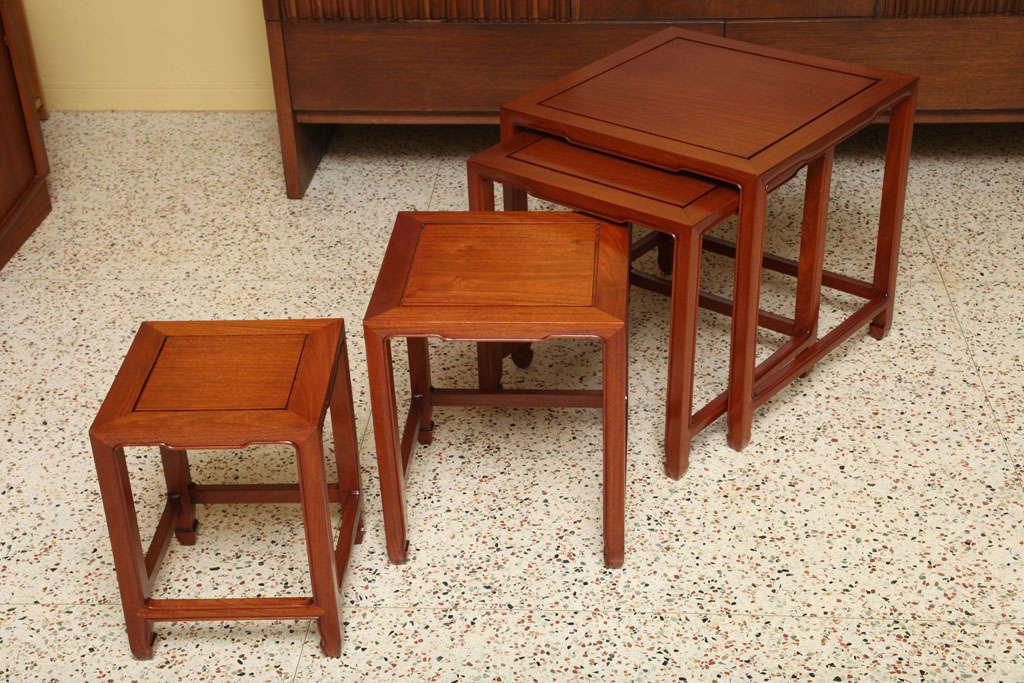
226, 384
749, 116
497, 277
566, 272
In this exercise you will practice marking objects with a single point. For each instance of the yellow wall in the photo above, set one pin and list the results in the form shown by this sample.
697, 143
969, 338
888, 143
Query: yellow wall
151, 54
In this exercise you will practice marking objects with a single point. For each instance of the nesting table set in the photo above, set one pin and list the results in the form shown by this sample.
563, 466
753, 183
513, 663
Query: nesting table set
675, 133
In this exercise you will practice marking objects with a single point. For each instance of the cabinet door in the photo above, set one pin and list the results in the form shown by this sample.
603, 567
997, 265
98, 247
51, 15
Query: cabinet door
17, 167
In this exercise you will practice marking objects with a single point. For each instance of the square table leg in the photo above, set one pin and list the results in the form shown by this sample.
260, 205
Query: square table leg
615, 389
890, 222
385, 432
746, 294
749, 247
685, 302
812, 247
319, 544
129, 560
346, 438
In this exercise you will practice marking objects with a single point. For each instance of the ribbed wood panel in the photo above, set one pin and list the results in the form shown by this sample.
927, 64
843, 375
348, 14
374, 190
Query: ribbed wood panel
942, 8
437, 10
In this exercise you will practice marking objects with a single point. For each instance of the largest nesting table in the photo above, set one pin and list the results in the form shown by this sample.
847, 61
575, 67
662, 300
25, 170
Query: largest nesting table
752, 117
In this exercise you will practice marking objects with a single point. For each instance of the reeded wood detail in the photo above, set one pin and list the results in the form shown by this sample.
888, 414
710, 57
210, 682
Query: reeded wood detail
432, 10
942, 8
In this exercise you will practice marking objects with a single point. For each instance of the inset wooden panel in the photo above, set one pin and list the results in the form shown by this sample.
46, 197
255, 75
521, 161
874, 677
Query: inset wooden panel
223, 373
713, 90
723, 9
441, 67
484, 265
967, 63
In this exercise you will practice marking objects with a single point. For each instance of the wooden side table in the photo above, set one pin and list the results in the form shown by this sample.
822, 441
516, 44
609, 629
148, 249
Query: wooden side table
497, 277
749, 116
227, 385
683, 208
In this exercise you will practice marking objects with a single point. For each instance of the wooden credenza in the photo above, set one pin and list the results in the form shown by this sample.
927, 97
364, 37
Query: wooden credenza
452, 61
24, 200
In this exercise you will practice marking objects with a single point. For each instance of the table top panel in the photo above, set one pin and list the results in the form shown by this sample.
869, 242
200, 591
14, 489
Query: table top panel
463, 274
487, 265
727, 100
721, 108
223, 373
221, 383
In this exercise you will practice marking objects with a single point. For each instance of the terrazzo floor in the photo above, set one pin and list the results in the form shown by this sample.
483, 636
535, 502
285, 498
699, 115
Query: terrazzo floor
873, 528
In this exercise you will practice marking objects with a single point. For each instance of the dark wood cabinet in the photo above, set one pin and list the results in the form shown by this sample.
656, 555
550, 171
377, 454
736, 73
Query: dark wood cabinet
457, 61
24, 200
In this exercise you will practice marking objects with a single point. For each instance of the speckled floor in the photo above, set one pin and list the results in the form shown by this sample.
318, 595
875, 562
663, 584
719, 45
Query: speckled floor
873, 529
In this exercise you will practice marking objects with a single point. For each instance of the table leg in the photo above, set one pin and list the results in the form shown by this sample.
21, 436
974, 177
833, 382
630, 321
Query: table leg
488, 355
894, 191
513, 199
385, 432
481, 192
682, 351
665, 253
319, 544
419, 381
346, 437
178, 478
129, 559
812, 246
746, 293
614, 390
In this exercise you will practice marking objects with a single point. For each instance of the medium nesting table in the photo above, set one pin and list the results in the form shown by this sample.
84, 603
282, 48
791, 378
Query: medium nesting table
493, 278
749, 116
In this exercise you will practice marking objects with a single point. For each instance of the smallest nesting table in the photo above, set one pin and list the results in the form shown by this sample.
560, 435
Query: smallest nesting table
497, 277
227, 385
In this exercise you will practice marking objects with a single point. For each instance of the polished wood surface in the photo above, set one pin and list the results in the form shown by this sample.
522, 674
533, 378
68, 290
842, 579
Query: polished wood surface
600, 184
596, 107
218, 385
230, 372
540, 302
24, 199
439, 278
693, 134
725, 99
